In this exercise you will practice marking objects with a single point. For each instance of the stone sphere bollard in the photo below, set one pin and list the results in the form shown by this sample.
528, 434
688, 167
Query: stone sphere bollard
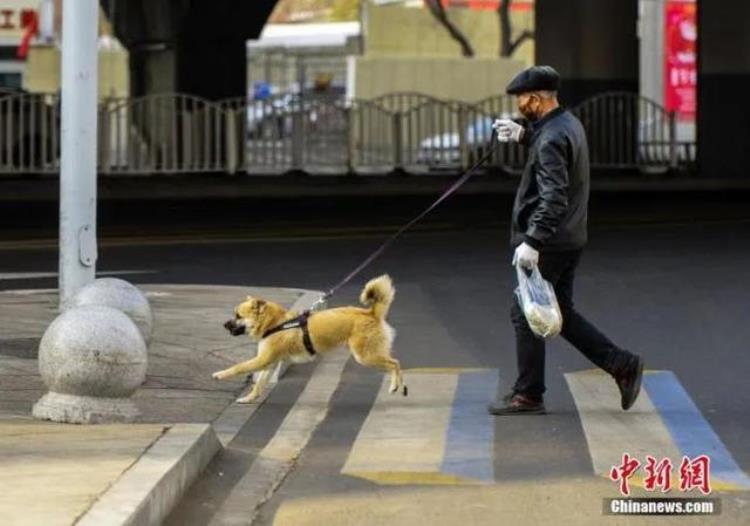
92, 358
121, 295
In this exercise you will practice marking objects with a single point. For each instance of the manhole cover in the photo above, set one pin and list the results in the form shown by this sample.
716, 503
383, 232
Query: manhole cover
26, 348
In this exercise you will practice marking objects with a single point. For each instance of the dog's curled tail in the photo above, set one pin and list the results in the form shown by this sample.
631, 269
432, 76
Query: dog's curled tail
378, 295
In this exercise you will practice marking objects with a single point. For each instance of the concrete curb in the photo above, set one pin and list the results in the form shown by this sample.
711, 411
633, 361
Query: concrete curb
147, 492
274, 462
154, 484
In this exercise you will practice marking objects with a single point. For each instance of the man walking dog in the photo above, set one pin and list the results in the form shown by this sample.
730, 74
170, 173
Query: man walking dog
549, 230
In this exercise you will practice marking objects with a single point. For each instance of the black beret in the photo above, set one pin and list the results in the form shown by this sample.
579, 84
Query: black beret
536, 78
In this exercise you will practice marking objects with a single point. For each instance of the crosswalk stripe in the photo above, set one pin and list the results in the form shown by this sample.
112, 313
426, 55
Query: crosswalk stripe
609, 431
664, 422
277, 458
471, 433
690, 430
403, 438
440, 434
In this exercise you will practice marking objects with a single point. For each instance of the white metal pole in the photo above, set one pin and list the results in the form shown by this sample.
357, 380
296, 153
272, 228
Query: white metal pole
651, 35
46, 21
78, 147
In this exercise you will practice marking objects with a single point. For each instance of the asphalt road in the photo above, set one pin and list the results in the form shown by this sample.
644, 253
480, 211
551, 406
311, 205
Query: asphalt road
673, 290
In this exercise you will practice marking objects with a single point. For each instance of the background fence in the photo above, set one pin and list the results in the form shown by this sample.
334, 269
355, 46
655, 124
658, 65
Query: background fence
176, 133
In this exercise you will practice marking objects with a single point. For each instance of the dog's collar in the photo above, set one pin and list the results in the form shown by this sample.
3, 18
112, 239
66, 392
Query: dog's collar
295, 323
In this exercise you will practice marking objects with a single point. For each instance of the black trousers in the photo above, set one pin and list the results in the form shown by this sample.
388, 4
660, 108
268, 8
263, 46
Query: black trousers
559, 269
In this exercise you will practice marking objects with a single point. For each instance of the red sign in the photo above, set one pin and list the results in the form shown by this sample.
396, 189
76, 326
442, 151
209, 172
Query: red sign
680, 58
16, 19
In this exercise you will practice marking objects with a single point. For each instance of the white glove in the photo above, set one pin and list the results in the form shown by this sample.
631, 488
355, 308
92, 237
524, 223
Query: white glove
526, 256
507, 130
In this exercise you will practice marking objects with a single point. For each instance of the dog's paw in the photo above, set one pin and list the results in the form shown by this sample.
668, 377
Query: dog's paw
249, 399
393, 389
219, 375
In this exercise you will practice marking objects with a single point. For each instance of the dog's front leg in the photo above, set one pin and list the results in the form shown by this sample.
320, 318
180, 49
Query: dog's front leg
261, 361
258, 388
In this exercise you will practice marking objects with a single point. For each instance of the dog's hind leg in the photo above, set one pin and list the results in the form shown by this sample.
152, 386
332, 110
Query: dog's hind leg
397, 377
383, 362
401, 383
376, 352
261, 361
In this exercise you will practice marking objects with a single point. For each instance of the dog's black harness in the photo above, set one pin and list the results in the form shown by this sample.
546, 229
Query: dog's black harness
295, 323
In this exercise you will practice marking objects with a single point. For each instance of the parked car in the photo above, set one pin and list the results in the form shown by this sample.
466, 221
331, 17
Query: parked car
272, 118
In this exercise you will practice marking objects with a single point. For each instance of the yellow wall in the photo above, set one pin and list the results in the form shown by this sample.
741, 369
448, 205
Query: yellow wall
399, 30
42, 72
449, 78
42, 68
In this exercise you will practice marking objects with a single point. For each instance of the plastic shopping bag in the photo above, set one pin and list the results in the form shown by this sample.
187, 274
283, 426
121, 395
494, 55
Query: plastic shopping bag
537, 300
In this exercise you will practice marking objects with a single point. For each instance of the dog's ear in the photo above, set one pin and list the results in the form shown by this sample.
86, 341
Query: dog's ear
260, 306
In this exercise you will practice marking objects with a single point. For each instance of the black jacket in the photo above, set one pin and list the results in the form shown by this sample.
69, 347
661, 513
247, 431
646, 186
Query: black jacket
551, 206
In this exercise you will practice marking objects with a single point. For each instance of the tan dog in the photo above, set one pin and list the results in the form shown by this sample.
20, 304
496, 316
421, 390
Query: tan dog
363, 330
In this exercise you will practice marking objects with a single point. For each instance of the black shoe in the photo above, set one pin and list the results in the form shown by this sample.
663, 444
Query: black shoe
516, 404
629, 382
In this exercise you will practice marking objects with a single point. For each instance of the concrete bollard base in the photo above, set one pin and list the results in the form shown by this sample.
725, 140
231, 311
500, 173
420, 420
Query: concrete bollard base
80, 409
92, 359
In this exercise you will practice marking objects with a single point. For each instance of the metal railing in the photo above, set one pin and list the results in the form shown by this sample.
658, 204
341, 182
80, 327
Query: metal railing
162, 134
373, 137
625, 130
29, 133
176, 133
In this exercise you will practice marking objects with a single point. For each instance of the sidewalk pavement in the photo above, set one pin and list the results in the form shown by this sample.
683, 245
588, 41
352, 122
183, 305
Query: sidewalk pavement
124, 473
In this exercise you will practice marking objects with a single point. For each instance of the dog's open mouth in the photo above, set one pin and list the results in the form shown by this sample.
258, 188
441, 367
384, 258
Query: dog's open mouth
234, 329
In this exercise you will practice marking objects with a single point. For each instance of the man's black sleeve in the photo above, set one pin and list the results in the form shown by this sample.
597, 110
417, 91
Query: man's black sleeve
552, 182
525, 138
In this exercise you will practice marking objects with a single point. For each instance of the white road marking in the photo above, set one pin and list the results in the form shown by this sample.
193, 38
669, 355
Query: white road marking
275, 460
663, 423
404, 435
610, 431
